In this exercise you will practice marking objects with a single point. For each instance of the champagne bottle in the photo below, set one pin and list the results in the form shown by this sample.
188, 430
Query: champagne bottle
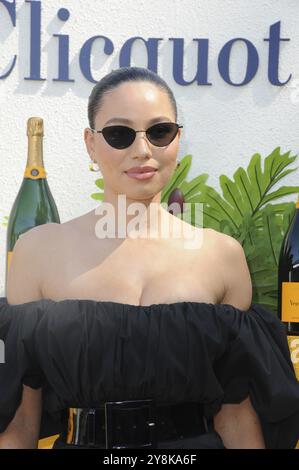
288, 288
34, 204
288, 277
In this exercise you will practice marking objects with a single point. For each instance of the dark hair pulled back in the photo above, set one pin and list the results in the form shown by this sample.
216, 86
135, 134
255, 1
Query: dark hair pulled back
119, 76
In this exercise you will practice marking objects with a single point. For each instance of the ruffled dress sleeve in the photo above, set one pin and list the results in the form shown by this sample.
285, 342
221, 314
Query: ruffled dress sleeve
257, 363
18, 361
84, 353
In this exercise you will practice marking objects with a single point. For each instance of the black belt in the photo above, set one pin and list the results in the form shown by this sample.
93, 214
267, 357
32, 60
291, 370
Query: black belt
133, 424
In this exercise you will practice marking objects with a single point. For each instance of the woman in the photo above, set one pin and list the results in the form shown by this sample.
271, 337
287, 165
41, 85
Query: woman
125, 318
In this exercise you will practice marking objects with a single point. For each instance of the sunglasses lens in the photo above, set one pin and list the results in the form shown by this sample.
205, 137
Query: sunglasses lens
119, 137
162, 134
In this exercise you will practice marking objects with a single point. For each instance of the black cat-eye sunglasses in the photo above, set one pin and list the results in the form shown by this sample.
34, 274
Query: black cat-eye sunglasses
121, 137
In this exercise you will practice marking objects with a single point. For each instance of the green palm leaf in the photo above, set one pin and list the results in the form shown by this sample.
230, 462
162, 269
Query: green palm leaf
99, 183
5, 221
178, 177
97, 196
250, 190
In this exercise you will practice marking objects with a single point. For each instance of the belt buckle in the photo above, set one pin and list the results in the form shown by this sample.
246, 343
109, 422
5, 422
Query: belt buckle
117, 412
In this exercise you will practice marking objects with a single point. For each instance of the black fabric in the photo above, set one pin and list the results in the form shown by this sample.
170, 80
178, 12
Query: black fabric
210, 440
85, 352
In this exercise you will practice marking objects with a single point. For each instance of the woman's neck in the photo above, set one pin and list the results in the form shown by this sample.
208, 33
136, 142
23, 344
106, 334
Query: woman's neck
126, 218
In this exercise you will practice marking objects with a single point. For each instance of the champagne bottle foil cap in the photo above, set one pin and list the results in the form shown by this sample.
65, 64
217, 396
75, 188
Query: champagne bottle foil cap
35, 126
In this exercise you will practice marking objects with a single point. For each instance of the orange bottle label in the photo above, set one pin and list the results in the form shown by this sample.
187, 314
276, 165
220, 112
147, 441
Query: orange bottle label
9, 256
47, 442
290, 302
294, 351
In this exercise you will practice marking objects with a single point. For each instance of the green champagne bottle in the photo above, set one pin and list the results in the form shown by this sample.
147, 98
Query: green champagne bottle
288, 277
288, 289
34, 204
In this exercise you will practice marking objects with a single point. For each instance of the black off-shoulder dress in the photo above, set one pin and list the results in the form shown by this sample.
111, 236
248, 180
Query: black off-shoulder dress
85, 352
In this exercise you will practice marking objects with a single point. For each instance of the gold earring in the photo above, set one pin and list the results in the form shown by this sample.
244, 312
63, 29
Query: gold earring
91, 167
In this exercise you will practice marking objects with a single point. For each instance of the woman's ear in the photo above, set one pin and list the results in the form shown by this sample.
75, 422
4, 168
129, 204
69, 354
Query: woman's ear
89, 142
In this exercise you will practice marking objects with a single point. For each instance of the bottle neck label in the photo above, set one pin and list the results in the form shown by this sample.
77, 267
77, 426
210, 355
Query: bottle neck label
35, 168
35, 172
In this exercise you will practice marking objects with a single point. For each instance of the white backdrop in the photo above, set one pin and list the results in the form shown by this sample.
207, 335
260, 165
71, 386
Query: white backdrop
223, 125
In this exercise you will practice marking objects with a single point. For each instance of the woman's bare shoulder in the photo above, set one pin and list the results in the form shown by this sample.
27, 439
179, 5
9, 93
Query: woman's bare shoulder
224, 242
29, 251
52, 231
233, 265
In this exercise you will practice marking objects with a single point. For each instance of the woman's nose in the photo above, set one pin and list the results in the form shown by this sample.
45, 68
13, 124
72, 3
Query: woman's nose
141, 143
